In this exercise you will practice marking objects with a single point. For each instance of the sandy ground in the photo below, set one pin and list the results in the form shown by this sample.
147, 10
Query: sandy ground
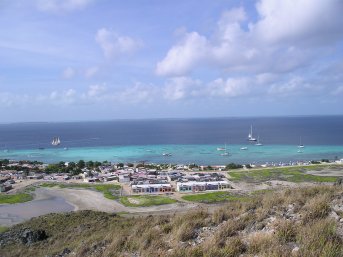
83, 199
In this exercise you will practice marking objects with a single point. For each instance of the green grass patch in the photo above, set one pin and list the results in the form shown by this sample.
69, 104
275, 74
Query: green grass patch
3, 229
145, 200
110, 191
214, 197
292, 174
16, 198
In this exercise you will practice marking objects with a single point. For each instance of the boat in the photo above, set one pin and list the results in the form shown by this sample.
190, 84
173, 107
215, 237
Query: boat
250, 135
244, 148
258, 141
166, 154
301, 145
220, 149
225, 152
56, 141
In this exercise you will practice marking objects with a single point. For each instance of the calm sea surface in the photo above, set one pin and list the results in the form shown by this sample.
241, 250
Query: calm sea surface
187, 140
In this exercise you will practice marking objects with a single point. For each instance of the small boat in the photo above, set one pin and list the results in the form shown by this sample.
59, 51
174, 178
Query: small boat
258, 141
225, 152
220, 149
244, 148
56, 141
250, 136
166, 154
301, 145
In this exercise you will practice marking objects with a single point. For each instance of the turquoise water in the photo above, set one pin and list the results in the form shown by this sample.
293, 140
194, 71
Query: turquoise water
200, 154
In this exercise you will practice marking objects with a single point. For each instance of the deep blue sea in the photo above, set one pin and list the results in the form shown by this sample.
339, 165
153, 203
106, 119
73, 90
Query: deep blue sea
187, 140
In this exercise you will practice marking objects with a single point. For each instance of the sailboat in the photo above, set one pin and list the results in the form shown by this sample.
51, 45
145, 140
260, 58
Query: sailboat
56, 141
301, 145
225, 152
250, 136
244, 148
258, 141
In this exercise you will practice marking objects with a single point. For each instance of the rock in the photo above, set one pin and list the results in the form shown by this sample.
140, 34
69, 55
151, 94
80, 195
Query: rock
29, 236
341, 220
334, 215
25, 236
295, 250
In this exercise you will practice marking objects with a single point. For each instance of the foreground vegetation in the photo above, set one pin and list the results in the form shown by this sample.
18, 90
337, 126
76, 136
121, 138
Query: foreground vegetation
15, 198
145, 200
214, 197
110, 191
292, 174
293, 222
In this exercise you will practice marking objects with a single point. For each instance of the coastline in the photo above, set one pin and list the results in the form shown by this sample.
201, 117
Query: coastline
202, 154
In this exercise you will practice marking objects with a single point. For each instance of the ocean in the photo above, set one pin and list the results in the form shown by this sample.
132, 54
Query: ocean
187, 140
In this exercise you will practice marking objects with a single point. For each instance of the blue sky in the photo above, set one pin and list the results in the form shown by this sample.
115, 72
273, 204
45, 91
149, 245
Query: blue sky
103, 59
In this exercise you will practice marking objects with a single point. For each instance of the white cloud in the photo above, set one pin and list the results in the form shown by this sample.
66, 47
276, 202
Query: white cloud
287, 35
114, 45
294, 86
231, 87
91, 72
62, 5
138, 93
68, 73
181, 87
181, 58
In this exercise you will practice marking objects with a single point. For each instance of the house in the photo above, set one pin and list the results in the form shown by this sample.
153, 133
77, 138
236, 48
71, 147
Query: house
151, 188
195, 186
124, 178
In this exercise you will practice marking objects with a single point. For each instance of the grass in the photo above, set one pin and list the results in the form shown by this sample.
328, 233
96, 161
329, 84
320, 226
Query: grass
110, 191
3, 229
145, 200
15, 198
258, 227
214, 197
291, 174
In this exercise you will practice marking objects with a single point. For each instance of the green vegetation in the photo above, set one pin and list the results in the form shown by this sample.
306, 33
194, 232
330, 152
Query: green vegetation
110, 191
259, 227
145, 200
3, 229
233, 166
292, 174
15, 198
214, 197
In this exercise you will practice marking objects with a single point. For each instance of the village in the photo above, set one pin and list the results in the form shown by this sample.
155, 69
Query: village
134, 179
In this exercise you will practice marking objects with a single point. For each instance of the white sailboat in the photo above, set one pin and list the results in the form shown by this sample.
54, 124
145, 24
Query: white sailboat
56, 141
250, 136
225, 152
301, 145
258, 141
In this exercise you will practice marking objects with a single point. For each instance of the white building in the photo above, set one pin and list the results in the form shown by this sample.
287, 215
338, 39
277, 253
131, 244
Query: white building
151, 188
195, 186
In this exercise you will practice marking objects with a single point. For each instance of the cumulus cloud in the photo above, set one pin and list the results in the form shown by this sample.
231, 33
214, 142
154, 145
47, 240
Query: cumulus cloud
231, 87
62, 5
286, 35
114, 45
181, 87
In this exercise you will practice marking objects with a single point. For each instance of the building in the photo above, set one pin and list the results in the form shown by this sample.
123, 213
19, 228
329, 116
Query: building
195, 186
151, 188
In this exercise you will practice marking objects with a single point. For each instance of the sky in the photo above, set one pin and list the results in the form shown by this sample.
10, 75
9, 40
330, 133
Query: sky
64, 60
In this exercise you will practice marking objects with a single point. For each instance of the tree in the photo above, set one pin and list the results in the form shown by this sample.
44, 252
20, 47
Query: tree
81, 164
